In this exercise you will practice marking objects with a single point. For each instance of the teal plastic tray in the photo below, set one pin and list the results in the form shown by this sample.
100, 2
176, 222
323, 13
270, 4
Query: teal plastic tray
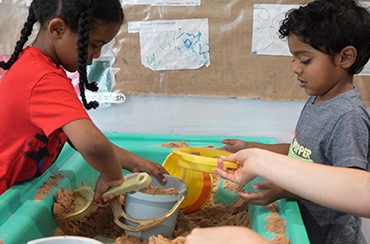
23, 219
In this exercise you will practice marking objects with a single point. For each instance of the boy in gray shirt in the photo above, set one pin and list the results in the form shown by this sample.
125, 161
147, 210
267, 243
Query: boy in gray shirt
330, 42
334, 133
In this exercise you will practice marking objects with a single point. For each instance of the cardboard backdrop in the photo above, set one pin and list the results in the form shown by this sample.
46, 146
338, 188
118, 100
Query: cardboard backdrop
234, 71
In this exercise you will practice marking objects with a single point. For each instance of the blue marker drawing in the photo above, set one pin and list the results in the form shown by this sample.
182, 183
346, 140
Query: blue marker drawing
262, 13
152, 61
164, 41
193, 43
175, 44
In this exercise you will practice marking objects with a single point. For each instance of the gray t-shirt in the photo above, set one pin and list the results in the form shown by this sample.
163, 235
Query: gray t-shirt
337, 133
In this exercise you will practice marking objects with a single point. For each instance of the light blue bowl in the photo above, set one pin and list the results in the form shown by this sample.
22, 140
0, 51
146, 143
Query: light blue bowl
144, 206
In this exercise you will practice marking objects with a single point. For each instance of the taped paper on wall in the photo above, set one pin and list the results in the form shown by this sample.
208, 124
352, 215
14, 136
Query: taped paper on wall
163, 2
266, 22
173, 44
265, 37
101, 72
366, 70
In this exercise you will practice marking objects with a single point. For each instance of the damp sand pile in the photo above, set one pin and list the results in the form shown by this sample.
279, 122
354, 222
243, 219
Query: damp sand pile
99, 224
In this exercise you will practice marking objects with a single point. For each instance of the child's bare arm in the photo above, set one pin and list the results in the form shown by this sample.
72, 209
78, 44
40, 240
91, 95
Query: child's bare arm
235, 145
225, 234
281, 148
135, 163
98, 152
104, 156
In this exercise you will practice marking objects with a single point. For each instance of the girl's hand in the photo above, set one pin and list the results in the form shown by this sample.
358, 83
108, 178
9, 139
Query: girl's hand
151, 167
102, 185
135, 163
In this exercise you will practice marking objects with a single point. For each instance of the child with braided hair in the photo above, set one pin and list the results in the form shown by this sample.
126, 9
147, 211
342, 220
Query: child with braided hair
40, 109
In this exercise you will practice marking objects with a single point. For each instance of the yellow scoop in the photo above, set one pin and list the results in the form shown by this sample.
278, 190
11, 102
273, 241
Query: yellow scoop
83, 196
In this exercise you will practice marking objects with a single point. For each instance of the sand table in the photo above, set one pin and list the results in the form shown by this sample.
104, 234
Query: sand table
100, 222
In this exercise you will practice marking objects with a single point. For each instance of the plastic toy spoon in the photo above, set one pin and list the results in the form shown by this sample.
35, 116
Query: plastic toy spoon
83, 196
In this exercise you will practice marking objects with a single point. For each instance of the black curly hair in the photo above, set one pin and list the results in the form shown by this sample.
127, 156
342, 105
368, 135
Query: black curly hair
331, 25
79, 15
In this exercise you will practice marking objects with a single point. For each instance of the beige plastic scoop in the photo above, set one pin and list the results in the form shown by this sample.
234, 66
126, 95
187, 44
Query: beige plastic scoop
84, 196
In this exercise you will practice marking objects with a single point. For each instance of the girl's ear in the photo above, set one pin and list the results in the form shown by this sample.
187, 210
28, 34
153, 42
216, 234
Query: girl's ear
56, 28
346, 57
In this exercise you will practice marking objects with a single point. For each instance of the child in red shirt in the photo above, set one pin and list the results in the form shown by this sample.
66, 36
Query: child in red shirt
39, 107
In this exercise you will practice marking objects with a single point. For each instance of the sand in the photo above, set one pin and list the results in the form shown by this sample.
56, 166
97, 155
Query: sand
156, 190
174, 144
179, 144
276, 225
47, 186
99, 224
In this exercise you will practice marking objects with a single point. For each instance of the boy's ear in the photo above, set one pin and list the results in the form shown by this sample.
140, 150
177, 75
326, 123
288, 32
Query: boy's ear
346, 57
56, 28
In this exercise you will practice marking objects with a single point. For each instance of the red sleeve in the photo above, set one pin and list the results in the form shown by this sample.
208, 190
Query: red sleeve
54, 103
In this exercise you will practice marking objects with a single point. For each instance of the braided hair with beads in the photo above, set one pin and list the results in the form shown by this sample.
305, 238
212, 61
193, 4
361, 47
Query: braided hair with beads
79, 15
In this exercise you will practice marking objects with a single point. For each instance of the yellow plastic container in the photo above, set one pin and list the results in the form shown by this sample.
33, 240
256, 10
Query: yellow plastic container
199, 183
194, 165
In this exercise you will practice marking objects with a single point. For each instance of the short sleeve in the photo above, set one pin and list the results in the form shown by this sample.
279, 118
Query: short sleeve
54, 103
349, 141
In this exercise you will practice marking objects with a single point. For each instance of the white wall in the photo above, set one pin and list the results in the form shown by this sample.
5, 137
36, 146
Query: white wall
204, 116
200, 116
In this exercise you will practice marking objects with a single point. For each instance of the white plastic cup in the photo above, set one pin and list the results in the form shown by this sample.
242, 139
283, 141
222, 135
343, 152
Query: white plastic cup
65, 240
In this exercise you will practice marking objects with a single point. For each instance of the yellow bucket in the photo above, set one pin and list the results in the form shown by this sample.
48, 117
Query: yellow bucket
194, 165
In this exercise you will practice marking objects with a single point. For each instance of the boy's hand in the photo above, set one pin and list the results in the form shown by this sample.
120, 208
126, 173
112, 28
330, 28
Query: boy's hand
234, 145
268, 193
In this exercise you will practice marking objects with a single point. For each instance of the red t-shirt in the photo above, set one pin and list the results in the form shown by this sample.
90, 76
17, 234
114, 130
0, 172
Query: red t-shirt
36, 100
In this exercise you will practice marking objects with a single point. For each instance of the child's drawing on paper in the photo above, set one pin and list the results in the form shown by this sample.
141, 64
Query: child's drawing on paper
266, 22
265, 38
175, 44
